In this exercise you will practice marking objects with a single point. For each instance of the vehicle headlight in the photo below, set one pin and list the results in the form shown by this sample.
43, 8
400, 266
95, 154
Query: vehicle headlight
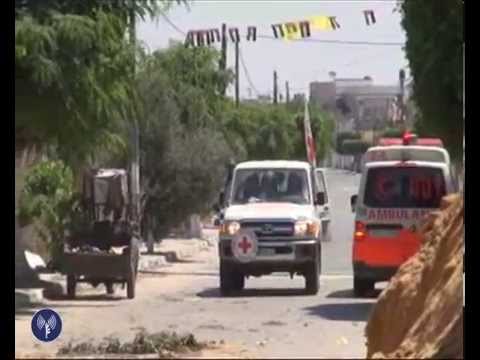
306, 228
230, 228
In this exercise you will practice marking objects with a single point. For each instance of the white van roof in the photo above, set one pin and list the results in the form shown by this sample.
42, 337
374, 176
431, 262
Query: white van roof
406, 153
431, 164
278, 164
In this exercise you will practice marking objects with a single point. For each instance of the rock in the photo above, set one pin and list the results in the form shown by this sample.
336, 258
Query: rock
420, 313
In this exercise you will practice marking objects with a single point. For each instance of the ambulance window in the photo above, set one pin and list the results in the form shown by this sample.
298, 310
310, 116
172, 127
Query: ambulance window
404, 187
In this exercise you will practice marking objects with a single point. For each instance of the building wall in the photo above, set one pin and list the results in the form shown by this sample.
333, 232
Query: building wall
323, 93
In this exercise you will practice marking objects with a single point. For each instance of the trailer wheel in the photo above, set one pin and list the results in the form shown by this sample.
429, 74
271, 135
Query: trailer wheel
131, 285
71, 286
133, 253
110, 287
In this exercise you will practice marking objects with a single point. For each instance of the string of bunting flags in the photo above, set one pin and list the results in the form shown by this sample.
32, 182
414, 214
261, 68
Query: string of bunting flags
289, 31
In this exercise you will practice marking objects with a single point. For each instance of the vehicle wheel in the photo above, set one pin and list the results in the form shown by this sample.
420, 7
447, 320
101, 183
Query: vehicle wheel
362, 287
312, 281
230, 280
133, 254
71, 286
110, 288
131, 281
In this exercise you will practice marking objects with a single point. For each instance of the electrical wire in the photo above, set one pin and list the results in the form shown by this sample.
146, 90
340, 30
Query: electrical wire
172, 24
343, 42
245, 70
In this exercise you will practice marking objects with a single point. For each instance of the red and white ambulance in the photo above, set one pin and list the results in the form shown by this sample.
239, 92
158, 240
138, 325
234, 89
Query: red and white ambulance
402, 181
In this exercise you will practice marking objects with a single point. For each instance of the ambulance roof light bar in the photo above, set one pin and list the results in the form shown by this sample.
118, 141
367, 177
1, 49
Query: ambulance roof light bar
410, 139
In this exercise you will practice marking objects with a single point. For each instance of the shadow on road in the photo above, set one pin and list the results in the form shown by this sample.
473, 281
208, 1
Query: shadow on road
348, 294
96, 297
263, 292
358, 311
30, 310
170, 256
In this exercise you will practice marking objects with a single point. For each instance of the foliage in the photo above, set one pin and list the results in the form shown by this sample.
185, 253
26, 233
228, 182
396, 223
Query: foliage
272, 132
73, 73
355, 147
434, 51
48, 199
342, 137
392, 133
183, 152
165, 344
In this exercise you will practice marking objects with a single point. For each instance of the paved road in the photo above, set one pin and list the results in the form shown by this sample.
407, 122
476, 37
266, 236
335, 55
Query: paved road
270, 318
337, 254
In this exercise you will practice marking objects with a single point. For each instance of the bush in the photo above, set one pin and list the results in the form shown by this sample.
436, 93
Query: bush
355, 147
48, 198
341, 137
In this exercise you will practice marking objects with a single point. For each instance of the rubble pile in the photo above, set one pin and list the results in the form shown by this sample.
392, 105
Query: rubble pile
420, 313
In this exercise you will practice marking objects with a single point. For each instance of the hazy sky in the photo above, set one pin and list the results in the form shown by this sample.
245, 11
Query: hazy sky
298, 62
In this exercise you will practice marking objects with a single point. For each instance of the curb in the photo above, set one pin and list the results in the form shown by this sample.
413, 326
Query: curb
28, 297
57, 285
151, 262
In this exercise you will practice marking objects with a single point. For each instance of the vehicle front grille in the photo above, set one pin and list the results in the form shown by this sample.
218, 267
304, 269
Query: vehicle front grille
269, 229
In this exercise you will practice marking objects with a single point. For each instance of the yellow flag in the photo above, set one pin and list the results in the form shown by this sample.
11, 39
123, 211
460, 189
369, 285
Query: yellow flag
321, 22
292, 31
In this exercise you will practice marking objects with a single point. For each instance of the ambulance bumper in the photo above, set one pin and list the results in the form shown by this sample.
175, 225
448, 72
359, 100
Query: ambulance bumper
376, 273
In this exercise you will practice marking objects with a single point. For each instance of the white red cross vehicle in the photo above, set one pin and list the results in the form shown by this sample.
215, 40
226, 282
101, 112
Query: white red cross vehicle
401, 183
273, 223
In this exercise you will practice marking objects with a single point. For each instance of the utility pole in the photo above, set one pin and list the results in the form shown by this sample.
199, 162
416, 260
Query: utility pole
402, 97
287, 92
135, 141
223, 58
237, 75
275, 88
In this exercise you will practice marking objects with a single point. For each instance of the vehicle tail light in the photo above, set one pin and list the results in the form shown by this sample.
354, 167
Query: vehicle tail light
360, 231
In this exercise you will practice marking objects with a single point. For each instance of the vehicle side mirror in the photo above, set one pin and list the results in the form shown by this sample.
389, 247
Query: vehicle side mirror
353, 202
320, 198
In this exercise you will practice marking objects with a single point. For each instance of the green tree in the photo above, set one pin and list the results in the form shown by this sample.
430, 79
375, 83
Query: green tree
183, 150
342, 137
434, 50
73, 73
48, 199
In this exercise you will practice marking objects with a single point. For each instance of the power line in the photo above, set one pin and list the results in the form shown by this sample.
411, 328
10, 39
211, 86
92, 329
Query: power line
344, 42
245, 70
172, 24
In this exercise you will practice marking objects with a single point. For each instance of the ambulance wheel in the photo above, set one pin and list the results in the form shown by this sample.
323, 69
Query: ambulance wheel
362, 287
230, 279
312, 281
71, 286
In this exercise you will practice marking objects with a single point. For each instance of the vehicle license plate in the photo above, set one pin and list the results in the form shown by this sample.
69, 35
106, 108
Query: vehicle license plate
266, 251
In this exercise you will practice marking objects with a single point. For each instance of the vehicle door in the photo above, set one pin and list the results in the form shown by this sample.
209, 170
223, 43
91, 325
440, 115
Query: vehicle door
323, 211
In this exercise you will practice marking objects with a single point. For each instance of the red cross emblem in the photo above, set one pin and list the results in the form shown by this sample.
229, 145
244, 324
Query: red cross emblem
244, 244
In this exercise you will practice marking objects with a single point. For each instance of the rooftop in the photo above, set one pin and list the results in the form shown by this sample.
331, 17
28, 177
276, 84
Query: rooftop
373, 90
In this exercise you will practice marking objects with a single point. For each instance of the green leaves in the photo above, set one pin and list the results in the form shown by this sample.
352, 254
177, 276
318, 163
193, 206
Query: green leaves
434, 50
48, 200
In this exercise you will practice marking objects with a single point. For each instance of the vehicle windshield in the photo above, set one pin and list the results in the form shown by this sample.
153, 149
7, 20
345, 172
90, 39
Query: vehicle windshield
404, 187
271, 185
